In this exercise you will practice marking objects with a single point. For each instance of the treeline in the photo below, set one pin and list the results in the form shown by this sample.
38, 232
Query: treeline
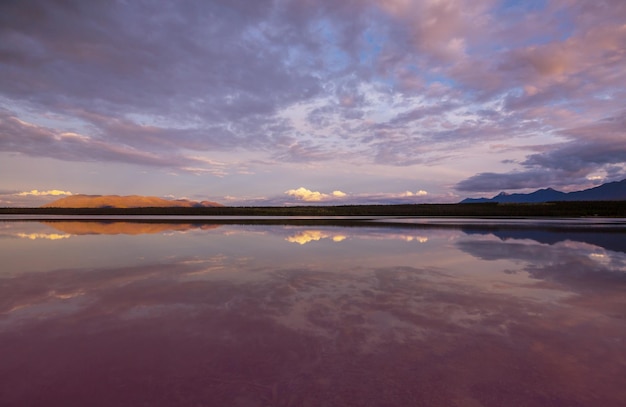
550, 209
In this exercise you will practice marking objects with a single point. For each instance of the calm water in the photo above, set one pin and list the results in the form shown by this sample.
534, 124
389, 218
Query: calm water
406, 312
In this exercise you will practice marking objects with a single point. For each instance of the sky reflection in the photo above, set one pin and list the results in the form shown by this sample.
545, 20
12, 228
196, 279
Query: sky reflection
240, 315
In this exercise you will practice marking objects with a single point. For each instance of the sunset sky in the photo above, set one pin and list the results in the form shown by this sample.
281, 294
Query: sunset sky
282, 102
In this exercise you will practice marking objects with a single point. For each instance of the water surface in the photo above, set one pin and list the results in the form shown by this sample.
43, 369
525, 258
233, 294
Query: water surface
426, 312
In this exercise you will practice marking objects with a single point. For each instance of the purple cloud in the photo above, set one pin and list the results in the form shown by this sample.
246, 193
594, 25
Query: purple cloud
593, 148
37, 141
382, 83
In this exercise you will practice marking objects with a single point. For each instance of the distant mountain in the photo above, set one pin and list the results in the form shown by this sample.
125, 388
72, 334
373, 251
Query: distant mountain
612, 191
116, 201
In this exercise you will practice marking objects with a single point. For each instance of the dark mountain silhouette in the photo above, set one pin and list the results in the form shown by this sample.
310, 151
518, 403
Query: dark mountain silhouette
611, 191
116, 201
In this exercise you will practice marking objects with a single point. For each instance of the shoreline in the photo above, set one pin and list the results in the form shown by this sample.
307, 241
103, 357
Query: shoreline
611, 209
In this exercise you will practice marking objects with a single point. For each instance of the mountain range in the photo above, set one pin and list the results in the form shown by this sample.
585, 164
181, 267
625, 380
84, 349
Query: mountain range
611, 191
130, 201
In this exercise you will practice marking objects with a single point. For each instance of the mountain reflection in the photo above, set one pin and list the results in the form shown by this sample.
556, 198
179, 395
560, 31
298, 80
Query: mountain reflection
608, 239
124, 228
247, 319
575, 264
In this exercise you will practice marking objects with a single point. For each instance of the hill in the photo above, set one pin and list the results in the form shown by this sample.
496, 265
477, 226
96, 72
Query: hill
131, 201
612, 191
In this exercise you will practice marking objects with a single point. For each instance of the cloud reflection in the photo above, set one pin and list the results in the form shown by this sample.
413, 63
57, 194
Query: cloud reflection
368, 322
47, 236
578, 266
307, 236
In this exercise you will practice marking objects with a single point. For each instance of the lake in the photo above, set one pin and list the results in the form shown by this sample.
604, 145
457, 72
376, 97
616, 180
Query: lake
313, 312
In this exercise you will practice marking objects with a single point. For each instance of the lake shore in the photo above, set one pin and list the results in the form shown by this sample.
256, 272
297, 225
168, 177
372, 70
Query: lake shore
550, 209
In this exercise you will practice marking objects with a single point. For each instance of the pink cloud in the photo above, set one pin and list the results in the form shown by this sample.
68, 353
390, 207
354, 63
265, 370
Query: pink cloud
193, 87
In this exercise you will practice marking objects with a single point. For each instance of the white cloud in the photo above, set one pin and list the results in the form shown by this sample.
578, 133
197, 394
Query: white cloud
421, 192
338, 197
307, 195
34, 192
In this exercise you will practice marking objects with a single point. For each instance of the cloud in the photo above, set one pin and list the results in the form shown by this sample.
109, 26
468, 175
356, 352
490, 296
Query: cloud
34, 140
307, 195
192, 86
170, 92
341, 198
418, 193
34, 192
592, 149
490, 181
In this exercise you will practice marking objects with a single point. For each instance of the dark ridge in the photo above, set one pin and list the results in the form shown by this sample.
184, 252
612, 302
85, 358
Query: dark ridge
611, 191
490, 209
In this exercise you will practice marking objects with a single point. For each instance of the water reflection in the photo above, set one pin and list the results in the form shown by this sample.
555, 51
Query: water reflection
608, 239
49, 236
124, 228
307, 236
240, 316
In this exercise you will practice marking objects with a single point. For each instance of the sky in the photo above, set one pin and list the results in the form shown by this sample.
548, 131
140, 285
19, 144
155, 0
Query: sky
287, 102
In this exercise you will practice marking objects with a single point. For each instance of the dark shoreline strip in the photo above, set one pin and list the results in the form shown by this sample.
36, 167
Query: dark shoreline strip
550, 209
